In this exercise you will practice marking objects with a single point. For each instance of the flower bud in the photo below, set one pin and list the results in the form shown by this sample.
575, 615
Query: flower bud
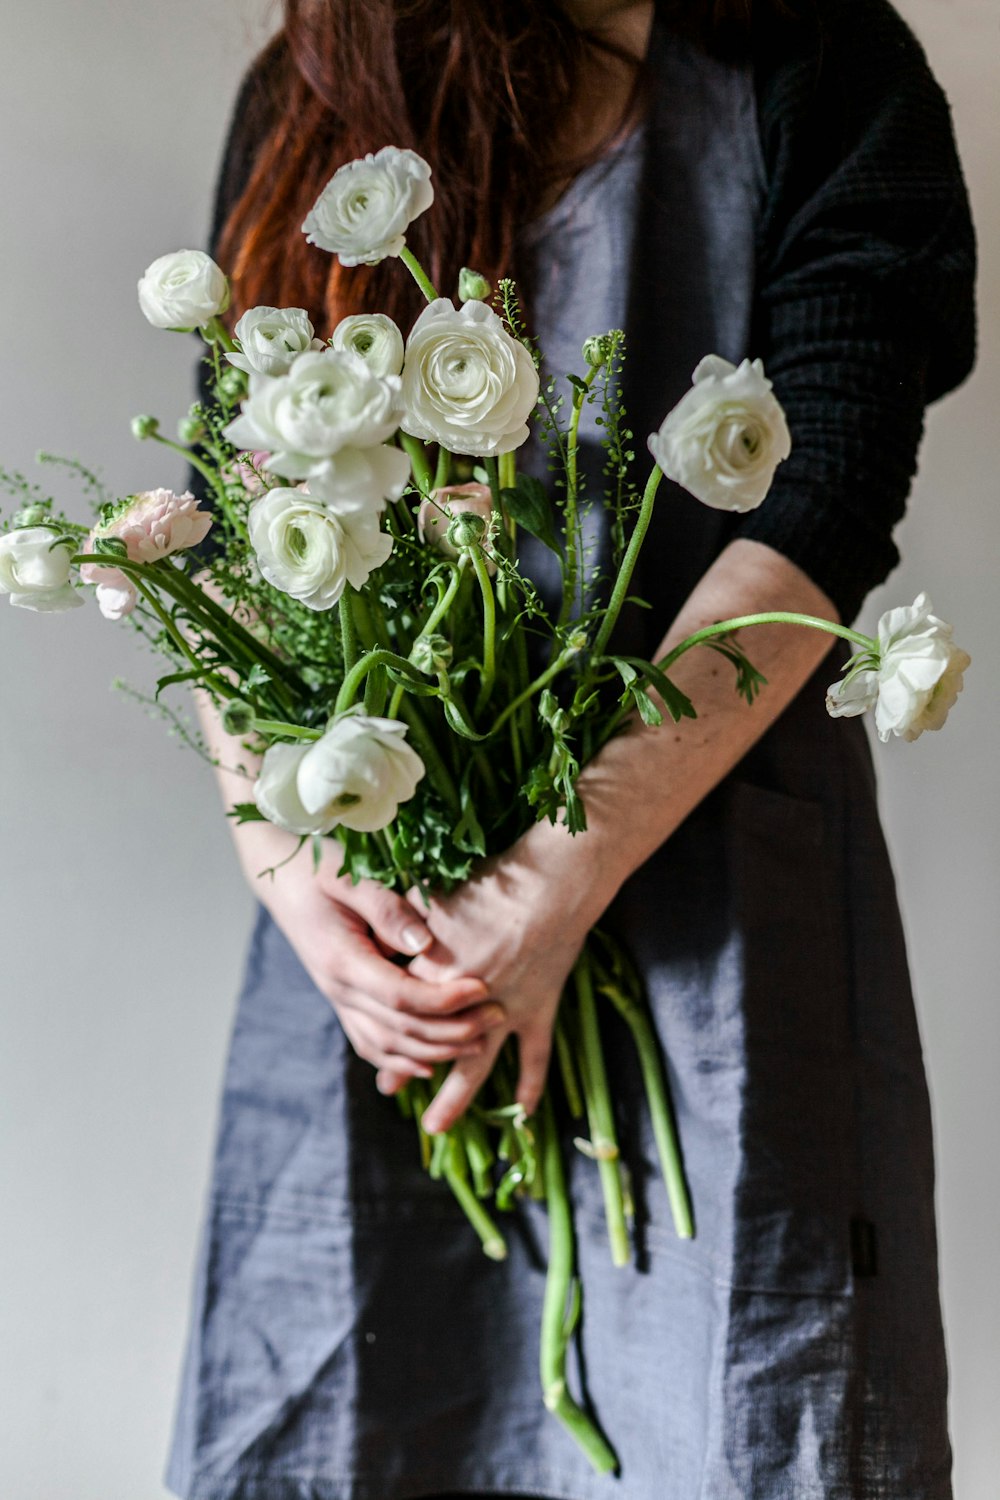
33, 515
431, 653
232, 384
596, 350
577, 642
145, 427
466, 531
473, 287
237, 717
550, 713
190, 429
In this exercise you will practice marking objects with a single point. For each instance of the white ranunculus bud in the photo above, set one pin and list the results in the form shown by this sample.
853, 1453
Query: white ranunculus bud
466, 383
725, 437
375, 338
183, 290
311, 551
359, 773
917, 678
270, 338
362, 214
329, 400
35, 569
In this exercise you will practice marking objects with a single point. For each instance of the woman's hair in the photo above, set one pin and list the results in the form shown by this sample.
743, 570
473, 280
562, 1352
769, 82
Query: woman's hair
477, 87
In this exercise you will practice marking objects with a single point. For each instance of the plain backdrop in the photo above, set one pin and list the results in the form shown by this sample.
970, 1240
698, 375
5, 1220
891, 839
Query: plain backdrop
123, 914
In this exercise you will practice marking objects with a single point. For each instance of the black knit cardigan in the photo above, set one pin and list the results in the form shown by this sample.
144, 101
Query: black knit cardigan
865, 265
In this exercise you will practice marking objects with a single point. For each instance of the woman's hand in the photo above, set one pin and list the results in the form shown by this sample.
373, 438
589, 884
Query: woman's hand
345, 937
519, 927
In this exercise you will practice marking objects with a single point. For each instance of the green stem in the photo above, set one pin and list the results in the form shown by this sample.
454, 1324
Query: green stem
556, 1324
226, 628
215, 331
438, 613
507, 470
356, 676
599, 1112
425, 747
418, 273
457, 1178
419, 462
567, 1069
177, 637
442, 471
541, 681
204, 469
489, 629
620, 590
769, 617
348, 632
664, 1130
573, 534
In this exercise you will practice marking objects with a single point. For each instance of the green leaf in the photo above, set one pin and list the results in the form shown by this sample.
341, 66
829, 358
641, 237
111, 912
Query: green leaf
529, 506
677, 704
246, 812
648, 711
191, 675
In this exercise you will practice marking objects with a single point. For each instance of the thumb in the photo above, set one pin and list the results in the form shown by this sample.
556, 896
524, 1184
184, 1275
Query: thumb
392, 919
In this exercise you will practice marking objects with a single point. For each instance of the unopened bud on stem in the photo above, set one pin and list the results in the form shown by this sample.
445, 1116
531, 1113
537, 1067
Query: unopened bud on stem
145, 427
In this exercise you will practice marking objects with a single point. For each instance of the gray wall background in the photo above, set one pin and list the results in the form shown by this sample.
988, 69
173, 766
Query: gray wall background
123, 912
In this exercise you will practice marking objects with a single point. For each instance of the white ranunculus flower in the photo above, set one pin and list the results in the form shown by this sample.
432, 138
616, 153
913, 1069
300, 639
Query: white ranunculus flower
362, 214
917, 679
725, 437
362, 477
305, 548
466, 383
375, 338
276, 791
356, 775
183, 290
329, 400
359, 772
270, 338
35, 569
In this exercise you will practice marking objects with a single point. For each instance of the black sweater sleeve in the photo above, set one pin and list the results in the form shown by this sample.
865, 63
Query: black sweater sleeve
864, 305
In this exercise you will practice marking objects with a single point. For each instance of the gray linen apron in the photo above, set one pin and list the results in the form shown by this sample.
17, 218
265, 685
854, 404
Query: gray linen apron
349, 1340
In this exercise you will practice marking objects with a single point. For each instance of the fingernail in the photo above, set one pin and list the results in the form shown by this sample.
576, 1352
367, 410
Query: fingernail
415, 939
494, 1015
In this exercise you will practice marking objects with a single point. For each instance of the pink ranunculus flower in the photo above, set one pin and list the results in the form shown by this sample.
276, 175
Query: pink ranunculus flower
155, 523
151, 524
444, 504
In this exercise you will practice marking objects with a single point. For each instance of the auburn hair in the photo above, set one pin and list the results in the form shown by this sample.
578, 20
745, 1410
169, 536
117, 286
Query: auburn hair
477, 87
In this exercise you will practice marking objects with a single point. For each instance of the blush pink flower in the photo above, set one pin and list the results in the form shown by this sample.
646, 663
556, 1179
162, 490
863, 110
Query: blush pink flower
155, 523
151, 525
451, 500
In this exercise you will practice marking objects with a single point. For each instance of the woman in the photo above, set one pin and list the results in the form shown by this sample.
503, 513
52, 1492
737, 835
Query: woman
788, 189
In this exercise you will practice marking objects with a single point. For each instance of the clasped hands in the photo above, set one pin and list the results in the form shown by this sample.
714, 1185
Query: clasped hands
487, 962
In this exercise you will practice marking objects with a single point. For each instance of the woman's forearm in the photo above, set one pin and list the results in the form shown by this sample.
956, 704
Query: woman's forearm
644, 782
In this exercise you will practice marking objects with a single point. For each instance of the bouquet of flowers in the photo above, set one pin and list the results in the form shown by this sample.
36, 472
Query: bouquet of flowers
354, 605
